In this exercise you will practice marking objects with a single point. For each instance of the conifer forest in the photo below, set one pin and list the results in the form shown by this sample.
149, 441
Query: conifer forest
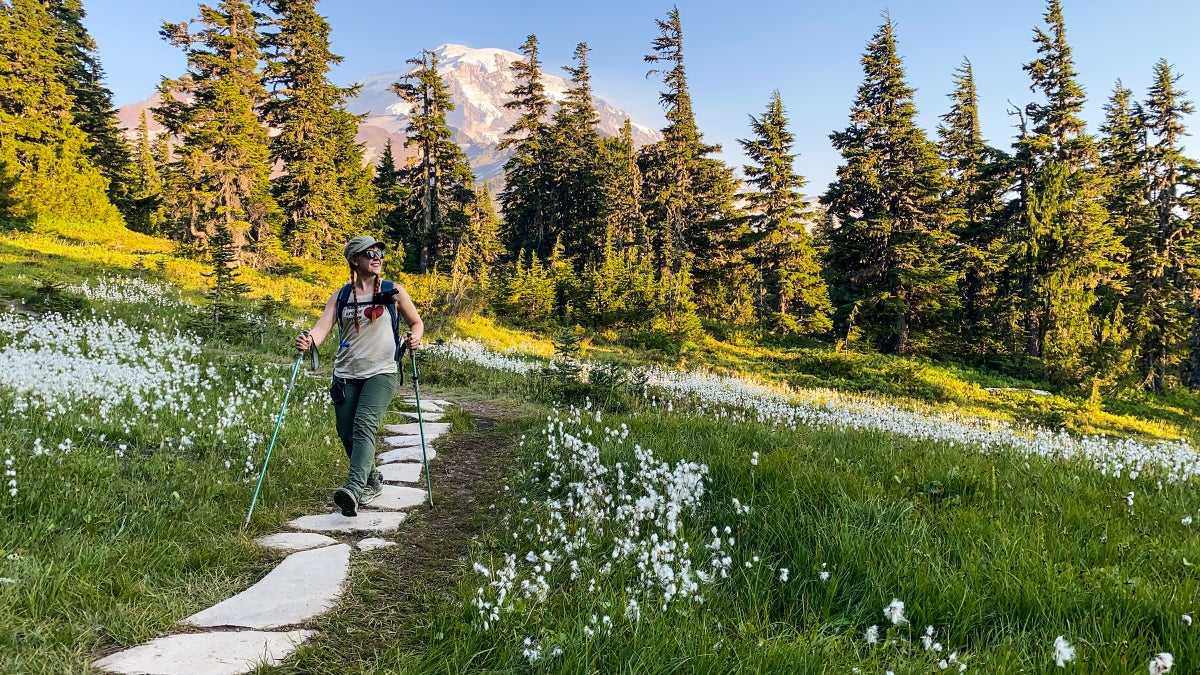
1068, 257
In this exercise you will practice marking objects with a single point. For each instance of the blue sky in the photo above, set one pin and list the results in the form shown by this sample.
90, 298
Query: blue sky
736, 53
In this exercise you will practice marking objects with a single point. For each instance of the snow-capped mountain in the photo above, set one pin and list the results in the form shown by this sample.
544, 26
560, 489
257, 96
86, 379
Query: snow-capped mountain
478, 80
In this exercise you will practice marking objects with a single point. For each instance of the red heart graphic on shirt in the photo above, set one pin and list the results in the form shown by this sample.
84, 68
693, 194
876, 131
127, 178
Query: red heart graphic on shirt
373, 312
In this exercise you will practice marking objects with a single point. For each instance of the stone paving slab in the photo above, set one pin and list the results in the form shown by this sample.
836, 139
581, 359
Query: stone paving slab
431, 428
403, 441
424, 417
395, 498
294, 541
432, 405
216, 653
305, 585
400, 472
409, 454
372, 543
377, 521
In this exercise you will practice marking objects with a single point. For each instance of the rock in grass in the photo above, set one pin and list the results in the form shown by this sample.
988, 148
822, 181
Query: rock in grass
305, 585
376, 521
294, 541
217, 653
400, 472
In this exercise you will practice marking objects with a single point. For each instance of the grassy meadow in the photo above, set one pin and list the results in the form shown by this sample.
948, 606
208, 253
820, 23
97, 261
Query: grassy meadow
741, 509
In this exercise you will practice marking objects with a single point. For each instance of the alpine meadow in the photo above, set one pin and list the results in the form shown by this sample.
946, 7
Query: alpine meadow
674, 415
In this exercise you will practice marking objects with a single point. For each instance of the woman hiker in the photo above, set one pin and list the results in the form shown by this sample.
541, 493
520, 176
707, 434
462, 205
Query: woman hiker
364, 370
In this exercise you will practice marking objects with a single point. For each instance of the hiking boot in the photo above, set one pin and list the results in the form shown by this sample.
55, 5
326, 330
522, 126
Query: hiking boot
346, 502
370, 492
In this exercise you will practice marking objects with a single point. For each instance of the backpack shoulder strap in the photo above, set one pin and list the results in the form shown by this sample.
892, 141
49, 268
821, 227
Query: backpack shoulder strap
385, 287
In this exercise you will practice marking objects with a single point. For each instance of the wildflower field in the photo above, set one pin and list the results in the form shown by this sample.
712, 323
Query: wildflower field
695, 523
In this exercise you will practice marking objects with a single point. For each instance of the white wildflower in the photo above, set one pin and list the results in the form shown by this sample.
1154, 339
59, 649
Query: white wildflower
1064, 652
895, 612
1161, 663
872, 636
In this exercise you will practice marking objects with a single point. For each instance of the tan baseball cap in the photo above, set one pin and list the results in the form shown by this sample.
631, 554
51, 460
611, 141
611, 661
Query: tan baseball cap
359, 244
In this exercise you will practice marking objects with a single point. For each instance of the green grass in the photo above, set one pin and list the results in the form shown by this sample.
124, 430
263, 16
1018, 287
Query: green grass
106, 547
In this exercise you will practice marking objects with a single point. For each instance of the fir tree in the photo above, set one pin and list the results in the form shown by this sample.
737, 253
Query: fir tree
1173, 257
972, 202
93, 109
1063, 248
221, 159
888, 235
688, 194
620, 180
792, 289
227, 292
1122, 156
393, 198
40, 141
315, 189
525, 201
441, 184
573, 155
146, 187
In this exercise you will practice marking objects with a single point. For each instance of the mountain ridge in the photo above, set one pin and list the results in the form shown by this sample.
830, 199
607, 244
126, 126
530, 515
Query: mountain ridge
478, 80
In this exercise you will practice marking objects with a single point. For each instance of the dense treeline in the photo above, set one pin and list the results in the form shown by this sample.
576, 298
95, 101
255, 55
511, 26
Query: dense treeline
1066, 256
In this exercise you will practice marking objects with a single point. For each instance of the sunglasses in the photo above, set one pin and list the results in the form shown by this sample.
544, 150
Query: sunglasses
373, 254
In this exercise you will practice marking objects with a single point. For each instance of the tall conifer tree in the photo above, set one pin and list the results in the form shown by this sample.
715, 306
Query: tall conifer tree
440, 185
573, 155
1122, 147
315, 189
526, 198
145, 191
972, 202
688, 194
222, 156
40, 141
793, 292
1174, 201
686, 191
1063, 248
93, 109
888, 233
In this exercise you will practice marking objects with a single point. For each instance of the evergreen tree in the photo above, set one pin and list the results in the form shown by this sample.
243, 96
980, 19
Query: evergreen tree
1122, 149
227, 293
315, 189
221, 159
888, 236
441, 184
1172, 260
92, 109
1063, 248
479, 249
573, 155
145, 190
393, 198
40, 141
688, 194
620, 181
525, 201
972, 202
793, 295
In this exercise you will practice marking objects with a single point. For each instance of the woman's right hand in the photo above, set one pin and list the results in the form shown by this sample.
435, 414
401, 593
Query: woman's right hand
303, 342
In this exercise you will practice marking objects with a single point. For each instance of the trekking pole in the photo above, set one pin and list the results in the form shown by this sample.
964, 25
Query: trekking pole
279, 422
421, 424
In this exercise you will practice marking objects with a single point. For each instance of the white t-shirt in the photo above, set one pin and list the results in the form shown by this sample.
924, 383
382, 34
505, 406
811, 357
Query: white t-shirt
371, 348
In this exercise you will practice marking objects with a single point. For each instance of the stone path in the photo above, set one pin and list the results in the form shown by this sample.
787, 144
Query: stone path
236, 635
